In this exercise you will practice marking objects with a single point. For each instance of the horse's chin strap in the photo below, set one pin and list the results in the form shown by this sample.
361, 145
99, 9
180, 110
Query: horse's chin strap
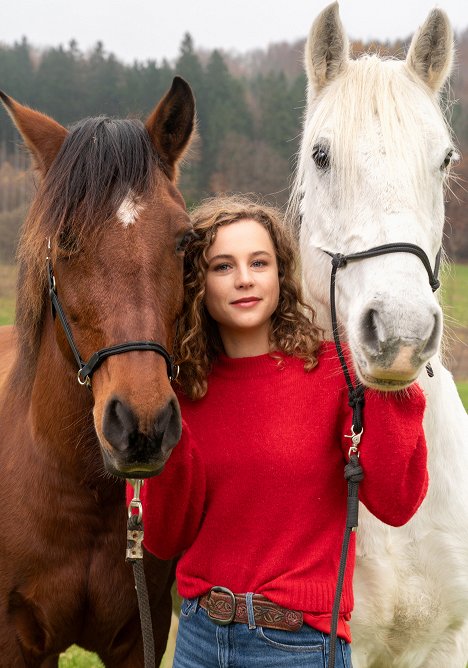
86, 369
354, 473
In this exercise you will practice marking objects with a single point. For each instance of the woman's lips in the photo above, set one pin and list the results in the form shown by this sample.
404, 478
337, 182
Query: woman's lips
246, 301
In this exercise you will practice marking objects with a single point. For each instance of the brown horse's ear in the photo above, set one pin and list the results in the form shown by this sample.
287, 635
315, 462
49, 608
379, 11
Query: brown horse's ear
170, 125
43, 136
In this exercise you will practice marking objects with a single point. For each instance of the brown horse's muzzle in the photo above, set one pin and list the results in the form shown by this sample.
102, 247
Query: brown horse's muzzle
137, 447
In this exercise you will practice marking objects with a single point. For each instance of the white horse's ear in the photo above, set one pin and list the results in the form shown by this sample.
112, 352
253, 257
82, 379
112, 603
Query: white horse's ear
430, 55
327, 48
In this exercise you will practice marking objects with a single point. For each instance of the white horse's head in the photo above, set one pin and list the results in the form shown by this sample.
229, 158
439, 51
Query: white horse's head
373, 161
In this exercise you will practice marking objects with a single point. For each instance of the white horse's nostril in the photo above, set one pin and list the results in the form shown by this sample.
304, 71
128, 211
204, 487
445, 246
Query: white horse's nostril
369, 329
396, 342
433, 341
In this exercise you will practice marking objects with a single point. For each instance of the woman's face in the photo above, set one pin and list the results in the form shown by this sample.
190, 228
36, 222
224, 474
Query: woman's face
242, 286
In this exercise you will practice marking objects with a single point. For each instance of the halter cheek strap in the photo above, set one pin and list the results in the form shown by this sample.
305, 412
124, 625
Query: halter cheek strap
86, 369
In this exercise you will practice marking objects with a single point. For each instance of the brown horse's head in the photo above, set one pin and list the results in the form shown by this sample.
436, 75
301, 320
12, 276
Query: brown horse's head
108, 202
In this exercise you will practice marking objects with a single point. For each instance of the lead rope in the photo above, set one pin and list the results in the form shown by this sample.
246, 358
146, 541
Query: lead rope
353, 472
134, 557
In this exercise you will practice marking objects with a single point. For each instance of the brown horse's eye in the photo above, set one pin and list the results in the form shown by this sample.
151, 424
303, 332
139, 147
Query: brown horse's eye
184, 241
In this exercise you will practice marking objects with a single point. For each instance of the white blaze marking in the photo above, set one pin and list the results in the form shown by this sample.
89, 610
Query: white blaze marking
128, 211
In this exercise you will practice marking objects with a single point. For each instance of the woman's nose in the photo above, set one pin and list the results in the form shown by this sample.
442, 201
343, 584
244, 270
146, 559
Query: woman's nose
244, 278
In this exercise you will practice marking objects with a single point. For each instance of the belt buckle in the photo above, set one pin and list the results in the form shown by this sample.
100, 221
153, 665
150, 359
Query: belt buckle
223, 622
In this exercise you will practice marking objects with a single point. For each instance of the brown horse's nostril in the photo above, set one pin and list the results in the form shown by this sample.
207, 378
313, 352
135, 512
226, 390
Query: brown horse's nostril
119, 424
171, 424
122, 430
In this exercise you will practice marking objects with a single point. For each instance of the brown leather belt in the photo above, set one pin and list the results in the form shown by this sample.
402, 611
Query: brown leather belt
224, 607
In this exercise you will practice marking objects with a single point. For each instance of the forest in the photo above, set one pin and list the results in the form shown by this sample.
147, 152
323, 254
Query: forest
249, 110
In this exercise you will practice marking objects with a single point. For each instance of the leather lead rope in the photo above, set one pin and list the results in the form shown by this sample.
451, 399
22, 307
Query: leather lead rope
353, 471
134, 557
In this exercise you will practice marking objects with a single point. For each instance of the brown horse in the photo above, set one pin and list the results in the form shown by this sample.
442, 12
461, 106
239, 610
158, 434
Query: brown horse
108, 203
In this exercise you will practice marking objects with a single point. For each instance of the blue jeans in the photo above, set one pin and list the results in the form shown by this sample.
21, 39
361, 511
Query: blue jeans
203, 644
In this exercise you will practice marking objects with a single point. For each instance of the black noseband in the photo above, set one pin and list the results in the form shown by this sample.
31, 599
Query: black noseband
339, 260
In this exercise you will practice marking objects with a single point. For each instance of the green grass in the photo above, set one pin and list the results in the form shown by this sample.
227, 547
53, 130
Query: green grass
454, 296
462, 388
75, 657
7, 294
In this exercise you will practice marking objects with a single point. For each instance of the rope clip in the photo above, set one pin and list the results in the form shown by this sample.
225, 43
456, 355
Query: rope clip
136, 501
134, 525
356, 439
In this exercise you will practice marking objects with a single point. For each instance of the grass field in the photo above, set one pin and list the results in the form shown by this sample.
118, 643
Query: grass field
463, 392
75, 657
7, 294
454, 297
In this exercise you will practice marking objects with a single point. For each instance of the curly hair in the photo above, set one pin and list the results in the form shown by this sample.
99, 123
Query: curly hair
198, 342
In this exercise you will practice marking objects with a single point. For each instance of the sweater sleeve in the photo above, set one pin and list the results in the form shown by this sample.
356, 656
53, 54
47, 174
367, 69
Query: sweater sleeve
173, 501
393, 454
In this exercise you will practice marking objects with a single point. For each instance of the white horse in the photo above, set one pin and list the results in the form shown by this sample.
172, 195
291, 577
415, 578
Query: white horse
371, 171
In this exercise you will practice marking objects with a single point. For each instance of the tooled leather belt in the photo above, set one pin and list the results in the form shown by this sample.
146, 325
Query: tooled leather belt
224, 607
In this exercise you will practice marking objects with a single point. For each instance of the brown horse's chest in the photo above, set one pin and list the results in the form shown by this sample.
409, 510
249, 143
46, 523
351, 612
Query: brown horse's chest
71, 583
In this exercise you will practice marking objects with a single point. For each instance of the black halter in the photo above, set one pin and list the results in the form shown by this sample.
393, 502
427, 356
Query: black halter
339, 260
353, 470
86, 369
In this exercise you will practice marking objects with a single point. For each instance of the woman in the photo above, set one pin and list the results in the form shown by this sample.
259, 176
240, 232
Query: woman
253, 498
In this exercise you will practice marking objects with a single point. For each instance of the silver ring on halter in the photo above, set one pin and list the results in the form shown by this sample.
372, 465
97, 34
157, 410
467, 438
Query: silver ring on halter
84, 381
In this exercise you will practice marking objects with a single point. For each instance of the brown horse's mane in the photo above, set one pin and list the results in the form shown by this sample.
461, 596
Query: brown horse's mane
101, 160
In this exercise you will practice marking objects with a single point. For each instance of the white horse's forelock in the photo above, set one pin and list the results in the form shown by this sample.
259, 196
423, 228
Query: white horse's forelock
368, 92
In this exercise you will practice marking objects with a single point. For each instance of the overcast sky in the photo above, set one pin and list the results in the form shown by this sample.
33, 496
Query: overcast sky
153, 29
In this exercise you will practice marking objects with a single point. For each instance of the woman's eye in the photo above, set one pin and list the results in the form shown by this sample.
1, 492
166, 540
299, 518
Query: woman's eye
221, 267
259, 263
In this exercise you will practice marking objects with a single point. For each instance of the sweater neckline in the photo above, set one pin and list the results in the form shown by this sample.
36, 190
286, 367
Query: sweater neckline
247, 367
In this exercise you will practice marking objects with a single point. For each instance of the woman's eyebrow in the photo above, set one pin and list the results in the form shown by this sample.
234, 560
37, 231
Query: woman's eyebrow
222, 256
226, 256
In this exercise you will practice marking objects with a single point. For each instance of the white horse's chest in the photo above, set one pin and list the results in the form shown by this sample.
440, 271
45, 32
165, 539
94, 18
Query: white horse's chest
412, 581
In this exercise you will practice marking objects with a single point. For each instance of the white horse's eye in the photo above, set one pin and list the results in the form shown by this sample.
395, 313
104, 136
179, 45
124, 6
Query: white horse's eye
451, 157
320, 156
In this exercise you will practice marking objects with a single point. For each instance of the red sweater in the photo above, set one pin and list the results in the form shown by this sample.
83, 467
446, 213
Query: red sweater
254, 498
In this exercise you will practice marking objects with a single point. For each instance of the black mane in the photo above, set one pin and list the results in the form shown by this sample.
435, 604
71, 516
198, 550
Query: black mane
100, 161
